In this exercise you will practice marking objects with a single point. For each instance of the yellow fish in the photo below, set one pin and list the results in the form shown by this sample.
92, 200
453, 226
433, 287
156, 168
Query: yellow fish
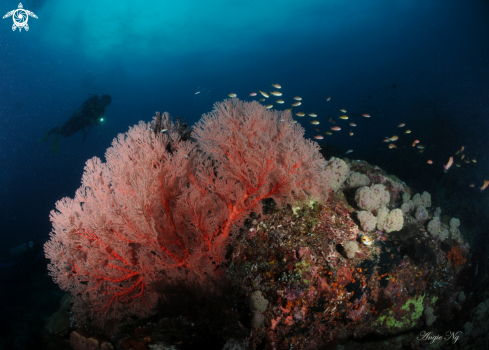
315, 122
484, 186
328, 133
298, 98
329, 98
296, 104
344, 117
269, 106
314, 115
280, 101
276, 93
232, 94
343, 110
407, 132
277, 86
263, 93
300, 114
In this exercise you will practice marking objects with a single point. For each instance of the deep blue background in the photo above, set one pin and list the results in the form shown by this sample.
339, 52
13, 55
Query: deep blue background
154, 55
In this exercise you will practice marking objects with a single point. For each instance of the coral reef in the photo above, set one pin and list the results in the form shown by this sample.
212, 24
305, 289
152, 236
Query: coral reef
370, 260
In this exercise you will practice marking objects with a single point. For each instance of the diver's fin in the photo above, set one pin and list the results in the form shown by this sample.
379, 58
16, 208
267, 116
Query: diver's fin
55, 145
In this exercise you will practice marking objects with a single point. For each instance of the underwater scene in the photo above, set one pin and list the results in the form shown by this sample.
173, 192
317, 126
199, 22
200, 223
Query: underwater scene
244, 175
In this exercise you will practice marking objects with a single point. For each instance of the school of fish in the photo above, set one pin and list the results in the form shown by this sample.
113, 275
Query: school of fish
463, 158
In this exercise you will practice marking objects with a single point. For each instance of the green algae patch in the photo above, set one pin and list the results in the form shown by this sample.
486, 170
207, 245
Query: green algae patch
411, 315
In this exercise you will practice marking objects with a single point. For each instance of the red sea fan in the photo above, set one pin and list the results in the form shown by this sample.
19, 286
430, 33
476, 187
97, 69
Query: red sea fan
164, 210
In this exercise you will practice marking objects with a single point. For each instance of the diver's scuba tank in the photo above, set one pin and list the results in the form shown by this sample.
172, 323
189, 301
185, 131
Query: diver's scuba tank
21, 249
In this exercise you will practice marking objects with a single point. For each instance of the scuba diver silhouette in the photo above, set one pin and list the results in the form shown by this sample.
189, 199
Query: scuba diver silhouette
89, 114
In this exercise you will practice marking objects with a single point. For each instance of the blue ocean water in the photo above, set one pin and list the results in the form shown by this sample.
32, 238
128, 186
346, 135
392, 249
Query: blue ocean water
422, 63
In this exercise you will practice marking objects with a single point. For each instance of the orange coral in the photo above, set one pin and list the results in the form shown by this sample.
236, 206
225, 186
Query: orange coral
455, 254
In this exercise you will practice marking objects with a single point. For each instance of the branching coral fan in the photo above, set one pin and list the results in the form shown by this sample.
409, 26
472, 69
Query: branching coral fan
164, 210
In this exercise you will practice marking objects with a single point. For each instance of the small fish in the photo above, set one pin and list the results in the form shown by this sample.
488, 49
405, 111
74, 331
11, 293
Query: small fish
467, 161
262, 99
457, 153
407, 131
276, 93
335, 128
296, 104
457, 165
416, 141
429, 161
344, 117
328, 133
298, 98
387, 140
401, 125
329, 98
280, 101
472, 185
264, 94
462, 149
269, 106
164, 130
316, 129
420, 146
343, 110
394, 138
421, 151
449, 164
366, 115
300, 114
351, 134
474, 161
367, 240
349, 151
277, 86
353, 124
318, 137
315, 122
253, 94
232, 94
463, 156
392, 145
484, 186
331, 120
198, 92
414, 144
314, 115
